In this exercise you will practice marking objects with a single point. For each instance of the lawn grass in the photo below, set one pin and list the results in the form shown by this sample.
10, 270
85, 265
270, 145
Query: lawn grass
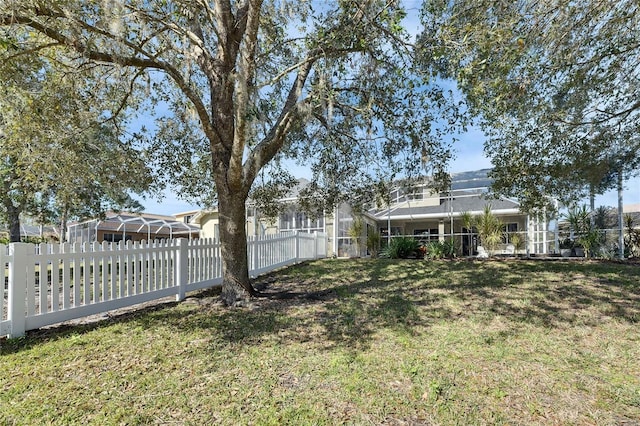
352, 342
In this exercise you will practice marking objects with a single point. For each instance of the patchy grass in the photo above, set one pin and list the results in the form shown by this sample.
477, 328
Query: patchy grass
358, 342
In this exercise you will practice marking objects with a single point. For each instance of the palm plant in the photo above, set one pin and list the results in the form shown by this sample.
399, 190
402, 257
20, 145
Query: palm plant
467, 222
586, 236
517, 241
489, 229
373, 243
355, 232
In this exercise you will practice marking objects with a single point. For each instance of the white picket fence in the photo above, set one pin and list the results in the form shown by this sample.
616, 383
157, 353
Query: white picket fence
46, 284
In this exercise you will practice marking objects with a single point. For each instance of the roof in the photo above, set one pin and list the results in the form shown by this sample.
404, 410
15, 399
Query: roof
142, 222
467, 188
32, 230
472, 179
474, 204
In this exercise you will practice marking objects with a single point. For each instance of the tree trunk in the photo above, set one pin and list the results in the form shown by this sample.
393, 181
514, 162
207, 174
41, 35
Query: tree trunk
236, 287
63, 225
12, 212
13, 217
620, 216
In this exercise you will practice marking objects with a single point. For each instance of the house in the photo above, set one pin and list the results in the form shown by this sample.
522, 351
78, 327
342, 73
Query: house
258, 224
124, 226
417, 212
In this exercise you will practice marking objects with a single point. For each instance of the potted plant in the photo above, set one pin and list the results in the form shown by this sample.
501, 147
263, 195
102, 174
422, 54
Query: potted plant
589, 242
489, 228
566, 246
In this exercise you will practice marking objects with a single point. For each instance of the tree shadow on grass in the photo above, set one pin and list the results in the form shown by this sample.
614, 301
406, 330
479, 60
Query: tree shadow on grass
554, 294
68, 329
344, 303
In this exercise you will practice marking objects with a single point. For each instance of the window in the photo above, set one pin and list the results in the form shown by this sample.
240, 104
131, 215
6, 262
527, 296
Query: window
397, 196
344, 220
187, 218
292, 220
508, 229
417, 194
427, 234
395, 230
114, 238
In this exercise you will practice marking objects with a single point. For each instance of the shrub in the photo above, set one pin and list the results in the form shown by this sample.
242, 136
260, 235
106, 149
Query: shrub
517, 241
32, 240
400, 248
435, 250
449, 248
440, 249
567, 243
355, 232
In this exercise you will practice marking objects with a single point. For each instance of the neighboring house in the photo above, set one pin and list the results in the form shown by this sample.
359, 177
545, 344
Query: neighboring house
115, 227
186, 217
418, 212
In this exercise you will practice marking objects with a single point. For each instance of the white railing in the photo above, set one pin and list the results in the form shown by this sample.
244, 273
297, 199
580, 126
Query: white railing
46, 284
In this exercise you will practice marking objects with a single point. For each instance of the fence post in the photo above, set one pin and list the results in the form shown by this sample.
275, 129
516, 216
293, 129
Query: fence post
18, 253
253, 243
297, 246
315, 245
182, 263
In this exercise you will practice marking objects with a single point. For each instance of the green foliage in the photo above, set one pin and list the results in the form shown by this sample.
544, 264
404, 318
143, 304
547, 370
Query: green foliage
579, 219
467, 220
590, 241
602, 216
400, 248
567, 243
373, 243
587, 235
355, 232
489, 229
517, 240
239, 92
551, 84
449, 247
440, 249
632, 237
434, 250
60, 157
33, 240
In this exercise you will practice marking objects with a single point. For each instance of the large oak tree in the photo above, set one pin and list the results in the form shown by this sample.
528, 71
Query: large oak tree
248, 83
